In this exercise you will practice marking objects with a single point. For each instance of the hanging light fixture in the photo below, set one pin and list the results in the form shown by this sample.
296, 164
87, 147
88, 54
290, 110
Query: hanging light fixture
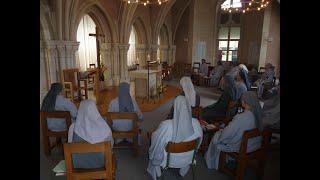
146, 2
233, 6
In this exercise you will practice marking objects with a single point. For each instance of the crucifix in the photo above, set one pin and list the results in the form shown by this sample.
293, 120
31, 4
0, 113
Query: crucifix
97, 35
99, 71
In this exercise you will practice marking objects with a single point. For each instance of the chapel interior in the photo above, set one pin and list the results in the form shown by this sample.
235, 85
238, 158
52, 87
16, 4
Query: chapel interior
91, 46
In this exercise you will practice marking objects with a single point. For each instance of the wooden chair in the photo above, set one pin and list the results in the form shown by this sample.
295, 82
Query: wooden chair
196, 111
108, 172
187, 69
243, 158
262, 70
47, 133
133, 134
196, 76
72, 83
91, 77
181, 148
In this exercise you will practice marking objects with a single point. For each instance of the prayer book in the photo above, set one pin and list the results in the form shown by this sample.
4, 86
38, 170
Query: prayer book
60, 168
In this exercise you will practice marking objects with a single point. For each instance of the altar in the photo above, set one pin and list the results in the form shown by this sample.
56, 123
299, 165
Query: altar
141, 82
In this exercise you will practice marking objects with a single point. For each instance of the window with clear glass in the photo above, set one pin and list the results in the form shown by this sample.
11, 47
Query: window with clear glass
228, 40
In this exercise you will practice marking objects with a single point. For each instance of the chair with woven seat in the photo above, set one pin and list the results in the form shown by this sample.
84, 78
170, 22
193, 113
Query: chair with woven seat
132, 134
182, 147
108, 172
243, 158
47, 133
73, 84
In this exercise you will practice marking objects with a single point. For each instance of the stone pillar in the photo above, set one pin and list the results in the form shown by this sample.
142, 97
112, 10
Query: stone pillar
141, 54
53, 67
172, 54
105, 51
115, 71
153, 55
123, 61
265, 35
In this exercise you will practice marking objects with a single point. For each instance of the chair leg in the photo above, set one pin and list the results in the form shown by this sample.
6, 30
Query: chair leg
193, 172
261, 165
241, 169
46, 145
222, 161
135, 146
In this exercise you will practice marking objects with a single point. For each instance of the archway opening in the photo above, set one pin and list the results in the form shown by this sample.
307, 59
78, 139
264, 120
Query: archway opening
131, 56
87, 53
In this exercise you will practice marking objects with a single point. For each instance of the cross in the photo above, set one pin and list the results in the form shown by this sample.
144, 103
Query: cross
98, 51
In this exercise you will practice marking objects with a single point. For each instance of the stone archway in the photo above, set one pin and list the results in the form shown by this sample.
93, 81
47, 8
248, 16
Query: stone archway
143, 40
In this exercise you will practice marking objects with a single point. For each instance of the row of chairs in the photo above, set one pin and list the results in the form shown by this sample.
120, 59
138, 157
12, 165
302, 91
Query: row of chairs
47, 133
243, 158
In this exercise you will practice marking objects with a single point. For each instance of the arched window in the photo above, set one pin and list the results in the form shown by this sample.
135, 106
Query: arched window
87, 53
131, 57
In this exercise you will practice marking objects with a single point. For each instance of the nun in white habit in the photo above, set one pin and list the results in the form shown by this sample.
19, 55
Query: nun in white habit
124, 103
181, 128
92, 128
229, 138
55, 101
193, 99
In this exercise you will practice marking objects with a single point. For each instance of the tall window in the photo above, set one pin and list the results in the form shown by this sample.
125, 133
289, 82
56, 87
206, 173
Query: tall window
229, 36
87, 53
131, 57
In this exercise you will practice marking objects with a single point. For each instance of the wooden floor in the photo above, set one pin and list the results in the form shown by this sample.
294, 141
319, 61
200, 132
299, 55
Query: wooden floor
110, 93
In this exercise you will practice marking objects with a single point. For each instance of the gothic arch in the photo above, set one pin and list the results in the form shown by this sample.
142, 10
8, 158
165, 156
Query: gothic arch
100, 17
142, 33
161, 18
164, 35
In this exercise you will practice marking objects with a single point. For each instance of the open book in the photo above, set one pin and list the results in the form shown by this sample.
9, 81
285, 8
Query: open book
60, 168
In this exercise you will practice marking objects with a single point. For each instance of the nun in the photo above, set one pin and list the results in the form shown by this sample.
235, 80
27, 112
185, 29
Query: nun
55, 101
229, 138
217, 74
89, 127
242, 83
124, 103
181, 128
266, 77
193, 99
218, 109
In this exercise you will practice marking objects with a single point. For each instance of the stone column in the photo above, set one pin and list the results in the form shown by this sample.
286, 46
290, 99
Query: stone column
172, 54
141, 54
123, 60
153, 55
53, 67
115, 71
71, 48
105, 51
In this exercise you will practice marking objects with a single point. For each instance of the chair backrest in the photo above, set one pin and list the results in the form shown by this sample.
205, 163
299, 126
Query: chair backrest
266, 134
262, 69
92, 65
56, 114
71, 75
196, 64
123, 116
196, 111
72, 173
181, 148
